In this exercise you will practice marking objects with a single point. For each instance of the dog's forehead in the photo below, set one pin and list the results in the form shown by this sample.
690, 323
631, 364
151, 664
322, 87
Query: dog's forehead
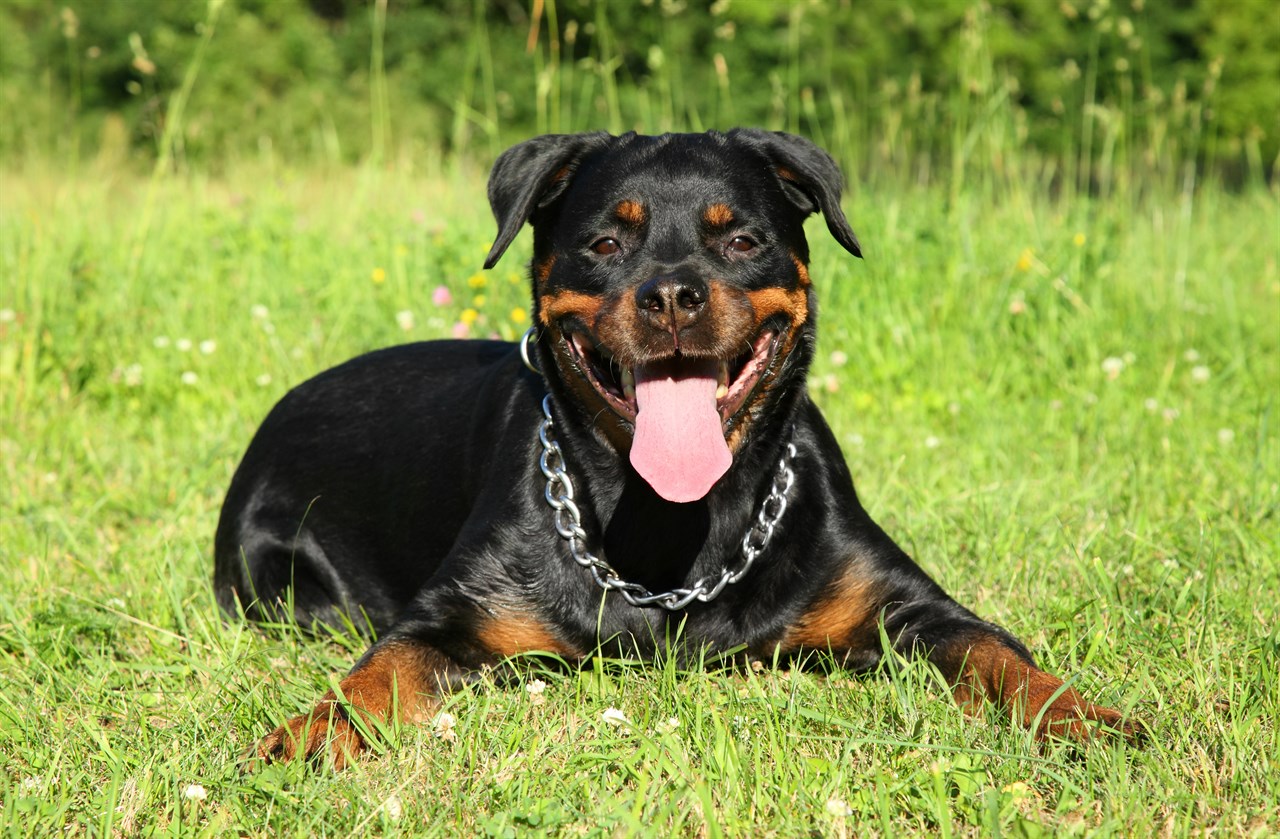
673, 173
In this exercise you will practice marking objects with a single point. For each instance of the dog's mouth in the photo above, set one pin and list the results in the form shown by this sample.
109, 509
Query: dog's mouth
681, 408
735, 378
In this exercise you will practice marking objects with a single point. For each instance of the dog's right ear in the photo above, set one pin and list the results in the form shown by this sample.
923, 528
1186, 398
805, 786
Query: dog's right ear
530, 175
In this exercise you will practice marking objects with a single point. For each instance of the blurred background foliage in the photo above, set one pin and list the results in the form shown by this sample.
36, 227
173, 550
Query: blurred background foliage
1154, 86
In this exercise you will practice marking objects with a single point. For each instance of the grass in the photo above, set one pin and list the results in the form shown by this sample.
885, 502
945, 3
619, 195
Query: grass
1065, 409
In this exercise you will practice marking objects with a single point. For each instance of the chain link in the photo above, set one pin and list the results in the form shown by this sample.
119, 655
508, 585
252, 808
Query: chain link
559, 495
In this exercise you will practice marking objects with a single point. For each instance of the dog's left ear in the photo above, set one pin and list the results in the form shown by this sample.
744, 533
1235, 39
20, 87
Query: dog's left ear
808, 174
530, 175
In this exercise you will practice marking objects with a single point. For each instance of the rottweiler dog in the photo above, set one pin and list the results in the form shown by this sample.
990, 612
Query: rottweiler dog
647, 465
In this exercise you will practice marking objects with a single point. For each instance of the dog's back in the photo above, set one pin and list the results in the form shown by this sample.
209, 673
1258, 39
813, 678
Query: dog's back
310, 468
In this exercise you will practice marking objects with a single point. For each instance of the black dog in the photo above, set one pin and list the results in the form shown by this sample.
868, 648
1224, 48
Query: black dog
676, 471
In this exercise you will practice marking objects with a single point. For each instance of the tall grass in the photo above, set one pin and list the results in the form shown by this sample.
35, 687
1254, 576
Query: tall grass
1148, 140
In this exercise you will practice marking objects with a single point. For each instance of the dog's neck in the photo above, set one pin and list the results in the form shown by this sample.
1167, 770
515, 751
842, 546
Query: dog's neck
637, 536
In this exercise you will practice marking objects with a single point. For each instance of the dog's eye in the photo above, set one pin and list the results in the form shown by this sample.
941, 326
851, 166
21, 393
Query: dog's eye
605, 246
741, 244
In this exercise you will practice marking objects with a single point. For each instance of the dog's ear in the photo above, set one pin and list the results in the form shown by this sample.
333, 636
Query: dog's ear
530, 175
809, 176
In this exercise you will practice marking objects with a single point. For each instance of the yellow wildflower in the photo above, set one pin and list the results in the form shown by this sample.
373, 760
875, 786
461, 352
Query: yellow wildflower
1078, 240
519, 316
479, 300
477, 281
468, 316
379, 275
1026, 259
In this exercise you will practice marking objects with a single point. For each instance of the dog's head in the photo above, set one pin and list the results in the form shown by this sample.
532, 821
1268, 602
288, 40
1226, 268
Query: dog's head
670, 283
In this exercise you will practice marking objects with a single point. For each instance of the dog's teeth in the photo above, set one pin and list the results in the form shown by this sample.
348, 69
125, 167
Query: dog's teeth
722, 391
629, 384
723, 374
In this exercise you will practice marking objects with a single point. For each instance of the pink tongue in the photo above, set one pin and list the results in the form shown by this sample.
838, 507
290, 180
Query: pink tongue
679, 447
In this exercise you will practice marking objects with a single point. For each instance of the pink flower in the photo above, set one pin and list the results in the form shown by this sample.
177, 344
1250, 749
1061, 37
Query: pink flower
461, 329
442, 296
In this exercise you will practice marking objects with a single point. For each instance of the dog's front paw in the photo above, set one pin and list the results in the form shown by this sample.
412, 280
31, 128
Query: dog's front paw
1086, 722
326, 732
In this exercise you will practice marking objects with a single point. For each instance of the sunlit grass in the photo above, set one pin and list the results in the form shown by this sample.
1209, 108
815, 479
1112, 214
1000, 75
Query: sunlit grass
1065, 410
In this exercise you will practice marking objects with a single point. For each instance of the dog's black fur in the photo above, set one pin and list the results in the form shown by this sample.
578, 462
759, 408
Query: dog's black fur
402, 491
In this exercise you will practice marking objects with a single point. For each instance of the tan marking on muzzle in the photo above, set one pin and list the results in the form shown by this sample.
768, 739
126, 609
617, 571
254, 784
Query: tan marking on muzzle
553, 307
767, 302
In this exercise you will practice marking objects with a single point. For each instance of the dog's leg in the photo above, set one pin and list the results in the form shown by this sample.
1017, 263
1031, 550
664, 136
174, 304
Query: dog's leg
985, 663
437, 645
980, 660
397, 679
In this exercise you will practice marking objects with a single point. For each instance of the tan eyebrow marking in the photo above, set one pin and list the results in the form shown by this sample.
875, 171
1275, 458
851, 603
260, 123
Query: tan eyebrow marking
718, 215
631, 212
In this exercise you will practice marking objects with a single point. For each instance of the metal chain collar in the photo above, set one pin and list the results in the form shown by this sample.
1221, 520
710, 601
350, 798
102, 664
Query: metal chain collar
568, 519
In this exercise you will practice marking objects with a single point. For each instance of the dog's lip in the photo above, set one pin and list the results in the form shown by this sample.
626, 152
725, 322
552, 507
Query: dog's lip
615, 382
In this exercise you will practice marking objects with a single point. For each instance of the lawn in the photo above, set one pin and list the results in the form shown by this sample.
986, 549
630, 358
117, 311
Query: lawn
1064, 408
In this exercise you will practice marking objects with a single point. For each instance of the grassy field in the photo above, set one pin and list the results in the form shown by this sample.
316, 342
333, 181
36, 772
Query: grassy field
1065, 409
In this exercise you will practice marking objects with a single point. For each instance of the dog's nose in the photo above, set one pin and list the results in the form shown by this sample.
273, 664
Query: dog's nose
672, 303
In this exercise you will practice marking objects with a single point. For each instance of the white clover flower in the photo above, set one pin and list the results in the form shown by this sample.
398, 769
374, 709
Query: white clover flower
668, 725
208, 346
161, 342
1226, 436
189, 378
536, 687
1191, 356
8, 315
392, 807
838, 807
1200, 374
263, 379
182, 345
839, 358
259, 312
194, 792
932, 442
404, 318
444, 726
614, 717
1112, 366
